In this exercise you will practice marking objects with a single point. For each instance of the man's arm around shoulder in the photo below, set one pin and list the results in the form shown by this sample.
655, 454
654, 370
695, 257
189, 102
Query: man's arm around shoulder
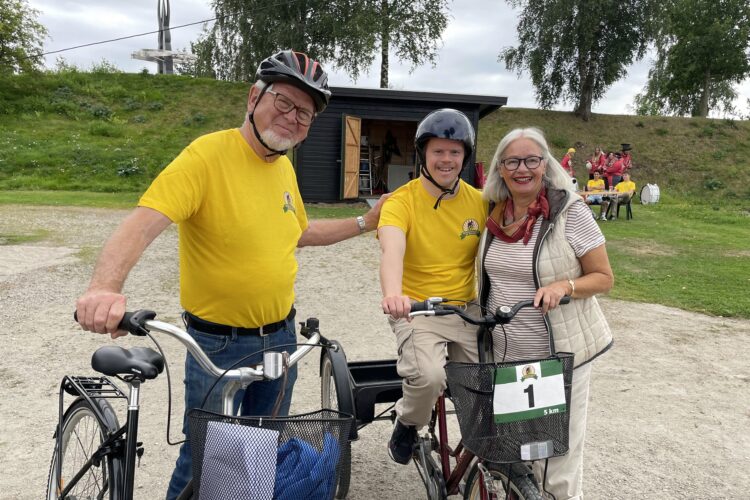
321, 232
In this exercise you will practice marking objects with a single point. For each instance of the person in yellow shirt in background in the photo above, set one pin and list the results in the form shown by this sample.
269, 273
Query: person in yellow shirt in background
625, 191
429, 234
235, 198
596, 185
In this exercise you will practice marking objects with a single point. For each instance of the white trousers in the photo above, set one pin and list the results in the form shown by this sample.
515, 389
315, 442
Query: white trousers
565, 473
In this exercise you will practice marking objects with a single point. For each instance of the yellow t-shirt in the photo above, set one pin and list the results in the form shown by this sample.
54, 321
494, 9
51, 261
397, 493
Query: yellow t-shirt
595, 185
240, 219
440, 244
624, 187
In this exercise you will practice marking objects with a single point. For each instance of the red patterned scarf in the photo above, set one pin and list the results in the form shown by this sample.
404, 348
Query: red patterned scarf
522, 228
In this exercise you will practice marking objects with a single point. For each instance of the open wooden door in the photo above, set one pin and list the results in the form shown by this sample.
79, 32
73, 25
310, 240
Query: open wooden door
351, 129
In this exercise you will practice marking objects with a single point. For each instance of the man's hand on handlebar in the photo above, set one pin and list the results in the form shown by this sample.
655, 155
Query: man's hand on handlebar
398, 306
101, 312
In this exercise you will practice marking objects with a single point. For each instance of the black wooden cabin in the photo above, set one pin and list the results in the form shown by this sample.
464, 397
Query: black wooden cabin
363, 143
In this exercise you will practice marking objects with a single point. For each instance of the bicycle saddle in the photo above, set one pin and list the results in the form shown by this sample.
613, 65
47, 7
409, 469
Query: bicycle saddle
142, 362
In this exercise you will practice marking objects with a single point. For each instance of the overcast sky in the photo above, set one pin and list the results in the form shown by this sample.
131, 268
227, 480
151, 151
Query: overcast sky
468, 61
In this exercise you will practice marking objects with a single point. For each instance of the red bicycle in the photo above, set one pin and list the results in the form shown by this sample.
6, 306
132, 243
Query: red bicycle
492, 459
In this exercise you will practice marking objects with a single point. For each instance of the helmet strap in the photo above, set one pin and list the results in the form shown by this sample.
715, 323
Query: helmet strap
445, 191
275, 152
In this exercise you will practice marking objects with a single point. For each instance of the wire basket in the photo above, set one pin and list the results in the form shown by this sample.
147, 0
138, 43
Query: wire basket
283, 458
472, 386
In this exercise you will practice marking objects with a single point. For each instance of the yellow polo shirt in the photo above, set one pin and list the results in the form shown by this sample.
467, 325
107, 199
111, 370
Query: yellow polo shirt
441, 243
239, 219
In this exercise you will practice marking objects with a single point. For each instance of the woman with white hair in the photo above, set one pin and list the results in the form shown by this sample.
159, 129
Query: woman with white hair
541, 243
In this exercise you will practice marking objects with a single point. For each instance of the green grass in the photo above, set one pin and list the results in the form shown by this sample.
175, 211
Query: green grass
692, 257
697, 159
69, 198
20, 238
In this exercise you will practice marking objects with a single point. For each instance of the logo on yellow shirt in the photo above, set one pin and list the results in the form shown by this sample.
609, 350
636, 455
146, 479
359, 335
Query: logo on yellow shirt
288, 205
470, 228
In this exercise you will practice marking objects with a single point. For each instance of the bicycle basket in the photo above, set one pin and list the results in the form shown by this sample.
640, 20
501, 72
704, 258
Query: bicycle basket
472, 387
284, 458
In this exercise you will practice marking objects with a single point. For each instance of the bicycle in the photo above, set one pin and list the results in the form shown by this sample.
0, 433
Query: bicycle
355, 387
95, 457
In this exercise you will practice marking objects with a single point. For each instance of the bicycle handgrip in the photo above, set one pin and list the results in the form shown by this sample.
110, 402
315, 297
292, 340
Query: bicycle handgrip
132, 321
420, 306
565, 299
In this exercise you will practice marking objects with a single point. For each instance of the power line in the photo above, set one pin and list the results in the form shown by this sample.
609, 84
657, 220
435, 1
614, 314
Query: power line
120, 38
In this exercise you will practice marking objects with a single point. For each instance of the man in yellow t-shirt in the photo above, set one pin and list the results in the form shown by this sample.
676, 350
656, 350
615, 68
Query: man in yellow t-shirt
235, 198
429, 234
625, 191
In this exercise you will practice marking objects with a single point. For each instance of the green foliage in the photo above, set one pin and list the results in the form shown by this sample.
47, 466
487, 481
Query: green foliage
702, 51
341, 33
21, 37
412, 27
575, 50
246, 31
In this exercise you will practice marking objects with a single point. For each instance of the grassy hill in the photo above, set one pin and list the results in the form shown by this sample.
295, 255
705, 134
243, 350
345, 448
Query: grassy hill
112, 132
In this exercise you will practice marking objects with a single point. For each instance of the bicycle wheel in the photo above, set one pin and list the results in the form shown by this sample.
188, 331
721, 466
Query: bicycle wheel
336, 394
522, 487
82, 433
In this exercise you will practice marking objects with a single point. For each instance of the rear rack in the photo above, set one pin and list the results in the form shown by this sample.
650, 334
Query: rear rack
92, 387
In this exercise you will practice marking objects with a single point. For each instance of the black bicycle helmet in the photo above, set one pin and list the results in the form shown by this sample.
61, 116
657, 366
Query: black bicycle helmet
296, 68
444, 123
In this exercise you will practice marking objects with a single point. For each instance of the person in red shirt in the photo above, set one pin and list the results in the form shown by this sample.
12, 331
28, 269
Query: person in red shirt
567, 162
627, 158
614, 171
598, 162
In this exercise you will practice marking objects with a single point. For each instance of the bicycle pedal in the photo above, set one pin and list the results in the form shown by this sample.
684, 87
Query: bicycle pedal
139, 454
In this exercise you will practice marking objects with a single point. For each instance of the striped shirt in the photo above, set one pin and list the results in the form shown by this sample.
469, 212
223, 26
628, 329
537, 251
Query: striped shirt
509, 267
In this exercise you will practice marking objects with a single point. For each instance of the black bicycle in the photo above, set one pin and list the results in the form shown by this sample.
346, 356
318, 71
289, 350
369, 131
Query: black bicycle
95, 457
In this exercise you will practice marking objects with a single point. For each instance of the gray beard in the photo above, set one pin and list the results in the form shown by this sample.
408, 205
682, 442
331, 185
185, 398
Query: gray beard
277, 142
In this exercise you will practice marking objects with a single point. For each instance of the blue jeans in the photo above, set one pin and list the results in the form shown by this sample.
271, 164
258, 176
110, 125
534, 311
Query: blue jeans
257, 399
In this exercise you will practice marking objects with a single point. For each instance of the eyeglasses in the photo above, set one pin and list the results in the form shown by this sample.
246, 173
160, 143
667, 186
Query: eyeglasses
512, 164
285, 105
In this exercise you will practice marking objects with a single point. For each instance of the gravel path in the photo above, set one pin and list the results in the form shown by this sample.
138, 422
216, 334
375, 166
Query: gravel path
668, 419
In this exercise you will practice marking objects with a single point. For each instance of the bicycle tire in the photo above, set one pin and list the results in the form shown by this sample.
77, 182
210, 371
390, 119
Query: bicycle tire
333, 391
522, 487
82, 426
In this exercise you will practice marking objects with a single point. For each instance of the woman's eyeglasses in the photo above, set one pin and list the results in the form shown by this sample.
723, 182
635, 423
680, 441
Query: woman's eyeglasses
285, 105
512, 164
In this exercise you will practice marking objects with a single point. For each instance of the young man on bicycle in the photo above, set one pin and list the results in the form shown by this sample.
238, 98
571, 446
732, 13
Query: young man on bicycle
235, 198
429, 232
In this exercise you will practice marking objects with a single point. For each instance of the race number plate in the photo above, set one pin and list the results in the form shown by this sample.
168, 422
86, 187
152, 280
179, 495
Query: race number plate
529, 391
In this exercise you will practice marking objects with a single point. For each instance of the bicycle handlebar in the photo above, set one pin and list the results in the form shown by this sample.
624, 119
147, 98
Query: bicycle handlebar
142, 321
435, 306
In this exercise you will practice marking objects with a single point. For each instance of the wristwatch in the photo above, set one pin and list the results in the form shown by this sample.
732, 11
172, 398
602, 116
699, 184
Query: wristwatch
361, 224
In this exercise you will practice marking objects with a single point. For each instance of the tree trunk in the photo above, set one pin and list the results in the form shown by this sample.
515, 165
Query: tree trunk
703, 104
585, 100
384, 44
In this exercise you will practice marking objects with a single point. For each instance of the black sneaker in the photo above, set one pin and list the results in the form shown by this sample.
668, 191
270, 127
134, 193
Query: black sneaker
401, 444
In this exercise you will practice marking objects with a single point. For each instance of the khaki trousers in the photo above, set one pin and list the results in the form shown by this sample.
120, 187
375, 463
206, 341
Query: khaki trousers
421, 347
565, 474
